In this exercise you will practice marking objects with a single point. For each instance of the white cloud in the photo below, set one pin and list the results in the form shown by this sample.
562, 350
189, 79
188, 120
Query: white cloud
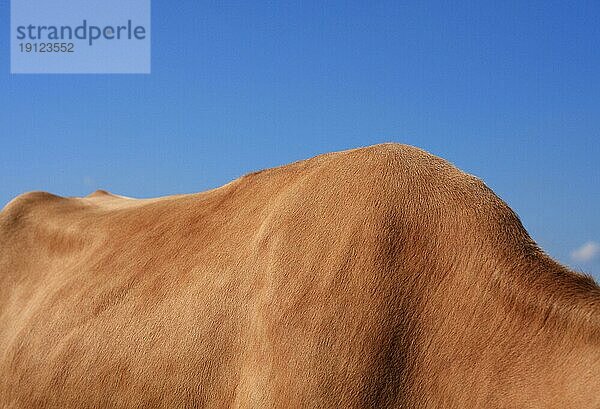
587, 252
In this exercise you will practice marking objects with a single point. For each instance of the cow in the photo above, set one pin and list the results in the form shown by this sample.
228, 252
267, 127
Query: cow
379, 277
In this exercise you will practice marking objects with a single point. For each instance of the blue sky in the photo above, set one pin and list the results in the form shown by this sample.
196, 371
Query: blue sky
507, 91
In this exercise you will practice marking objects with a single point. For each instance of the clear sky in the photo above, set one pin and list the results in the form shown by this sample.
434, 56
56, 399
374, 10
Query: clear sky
505, 90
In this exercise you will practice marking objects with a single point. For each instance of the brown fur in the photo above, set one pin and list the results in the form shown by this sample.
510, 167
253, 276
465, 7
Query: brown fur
381, 277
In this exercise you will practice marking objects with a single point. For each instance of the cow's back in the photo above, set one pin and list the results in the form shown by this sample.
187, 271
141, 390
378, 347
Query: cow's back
299, 286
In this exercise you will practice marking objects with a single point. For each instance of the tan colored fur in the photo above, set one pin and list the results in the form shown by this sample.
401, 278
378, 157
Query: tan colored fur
380, 277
